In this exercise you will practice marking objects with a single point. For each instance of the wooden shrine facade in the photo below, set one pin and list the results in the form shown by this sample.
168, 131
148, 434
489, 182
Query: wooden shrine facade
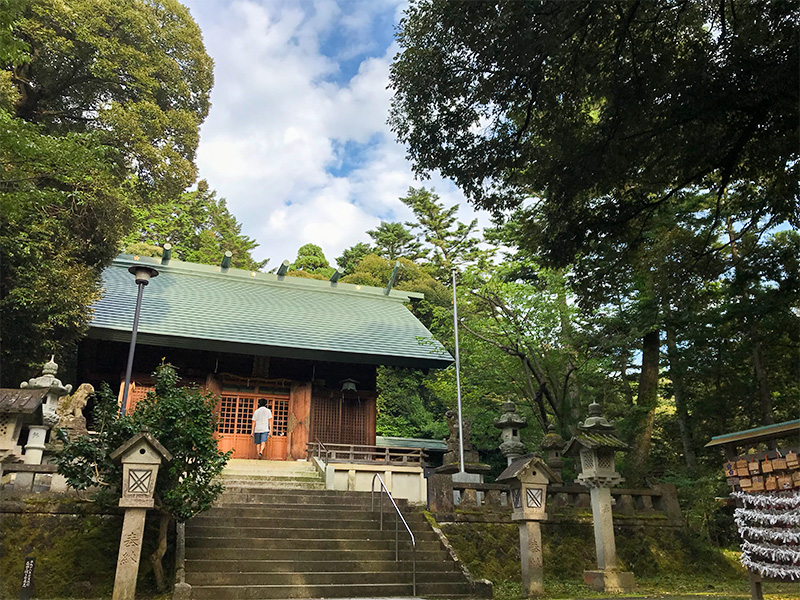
245, 335
304, 410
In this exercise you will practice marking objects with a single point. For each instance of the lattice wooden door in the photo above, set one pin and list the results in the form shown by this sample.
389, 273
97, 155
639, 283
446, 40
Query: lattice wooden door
136, 393
235, 427
337, 420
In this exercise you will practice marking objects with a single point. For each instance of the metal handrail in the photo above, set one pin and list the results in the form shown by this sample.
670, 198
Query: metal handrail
324, 449
396, 528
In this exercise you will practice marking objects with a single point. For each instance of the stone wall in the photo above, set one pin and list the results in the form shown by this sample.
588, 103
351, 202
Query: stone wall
75, 544
491, 550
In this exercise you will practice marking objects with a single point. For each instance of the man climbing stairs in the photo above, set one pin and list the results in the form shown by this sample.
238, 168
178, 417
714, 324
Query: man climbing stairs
278, 534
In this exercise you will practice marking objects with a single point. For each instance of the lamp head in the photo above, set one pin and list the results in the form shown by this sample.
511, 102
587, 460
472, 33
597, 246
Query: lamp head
142, 273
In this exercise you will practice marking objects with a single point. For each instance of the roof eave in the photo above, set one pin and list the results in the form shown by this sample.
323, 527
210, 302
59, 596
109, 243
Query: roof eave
227, 347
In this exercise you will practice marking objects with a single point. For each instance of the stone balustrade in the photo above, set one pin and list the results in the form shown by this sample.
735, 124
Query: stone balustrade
656, 506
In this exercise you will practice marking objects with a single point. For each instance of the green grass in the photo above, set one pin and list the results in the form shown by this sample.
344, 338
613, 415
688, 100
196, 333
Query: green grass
664, 586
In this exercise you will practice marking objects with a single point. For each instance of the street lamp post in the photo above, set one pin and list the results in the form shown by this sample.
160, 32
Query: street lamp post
458, 377
143, 276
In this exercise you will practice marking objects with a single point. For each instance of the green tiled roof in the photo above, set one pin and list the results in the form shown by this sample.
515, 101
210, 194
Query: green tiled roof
208, 308
404, 442
758, 434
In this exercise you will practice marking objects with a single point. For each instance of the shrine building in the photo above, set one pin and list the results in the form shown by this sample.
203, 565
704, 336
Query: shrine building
311, 348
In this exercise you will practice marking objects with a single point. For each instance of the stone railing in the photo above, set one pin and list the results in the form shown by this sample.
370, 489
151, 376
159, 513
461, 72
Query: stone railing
659, 502
25, 479
352, 469
464, 501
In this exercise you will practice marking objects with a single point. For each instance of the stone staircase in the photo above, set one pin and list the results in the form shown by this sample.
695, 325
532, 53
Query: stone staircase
278, 534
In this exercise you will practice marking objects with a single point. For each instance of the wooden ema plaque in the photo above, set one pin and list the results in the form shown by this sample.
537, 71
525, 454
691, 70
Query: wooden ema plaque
767, 471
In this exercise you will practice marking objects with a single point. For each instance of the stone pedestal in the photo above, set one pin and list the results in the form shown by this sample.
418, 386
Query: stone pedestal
530, 539
440, 493
34, 450
606, 578
604, 542
130, 551
610, 581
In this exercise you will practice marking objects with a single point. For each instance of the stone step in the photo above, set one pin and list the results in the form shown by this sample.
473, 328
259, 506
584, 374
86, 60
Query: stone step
266, 498
304, 518
280, 493
267, 466
331, 508
195, 531
259, 477
400, 574
371, 590
353, 522
277, 534
282, 543
257, 469
276, 484
343, 564
244, 554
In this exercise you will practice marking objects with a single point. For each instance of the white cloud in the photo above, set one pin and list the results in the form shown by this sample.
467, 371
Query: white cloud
282, 113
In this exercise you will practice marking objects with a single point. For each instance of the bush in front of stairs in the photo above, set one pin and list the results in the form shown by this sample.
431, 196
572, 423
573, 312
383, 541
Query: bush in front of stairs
183, 420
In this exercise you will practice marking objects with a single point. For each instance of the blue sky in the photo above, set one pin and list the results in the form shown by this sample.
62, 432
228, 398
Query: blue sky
296, 139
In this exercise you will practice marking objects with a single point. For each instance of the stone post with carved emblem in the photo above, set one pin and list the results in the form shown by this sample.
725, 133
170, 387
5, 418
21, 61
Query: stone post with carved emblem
140, 456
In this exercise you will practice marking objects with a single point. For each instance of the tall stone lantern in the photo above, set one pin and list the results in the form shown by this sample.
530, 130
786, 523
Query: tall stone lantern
527, 478
553, 446
37, 434
55, 389
510, 422
595, 442
141, 457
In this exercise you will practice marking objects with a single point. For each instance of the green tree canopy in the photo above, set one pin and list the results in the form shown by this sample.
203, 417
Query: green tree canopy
452, 242
351, 256
392, 241
310, 263
135, 72
100, 104
198, 225
604, 111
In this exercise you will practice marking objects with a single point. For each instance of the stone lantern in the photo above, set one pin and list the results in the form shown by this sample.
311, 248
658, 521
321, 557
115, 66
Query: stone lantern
527, 478
553, 445
37, 434
595, 442
55, 389
510, 422
141, 457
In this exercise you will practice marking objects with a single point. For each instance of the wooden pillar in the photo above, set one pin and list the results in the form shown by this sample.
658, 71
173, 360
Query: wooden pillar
371, 408
299, 419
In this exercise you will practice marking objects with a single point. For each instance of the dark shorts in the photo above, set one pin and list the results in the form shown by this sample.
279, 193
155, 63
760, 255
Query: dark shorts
260, 437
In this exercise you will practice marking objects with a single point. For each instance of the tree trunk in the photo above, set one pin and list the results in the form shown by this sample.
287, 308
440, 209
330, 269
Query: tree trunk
764, 395
155, 557
759, 370
646, 401
626, 384
676, 374
536, 394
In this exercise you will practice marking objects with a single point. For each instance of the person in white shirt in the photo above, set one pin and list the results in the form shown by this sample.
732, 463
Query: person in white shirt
262, 426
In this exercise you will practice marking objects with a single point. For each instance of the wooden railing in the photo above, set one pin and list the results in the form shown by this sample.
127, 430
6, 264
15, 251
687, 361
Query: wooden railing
351, 453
